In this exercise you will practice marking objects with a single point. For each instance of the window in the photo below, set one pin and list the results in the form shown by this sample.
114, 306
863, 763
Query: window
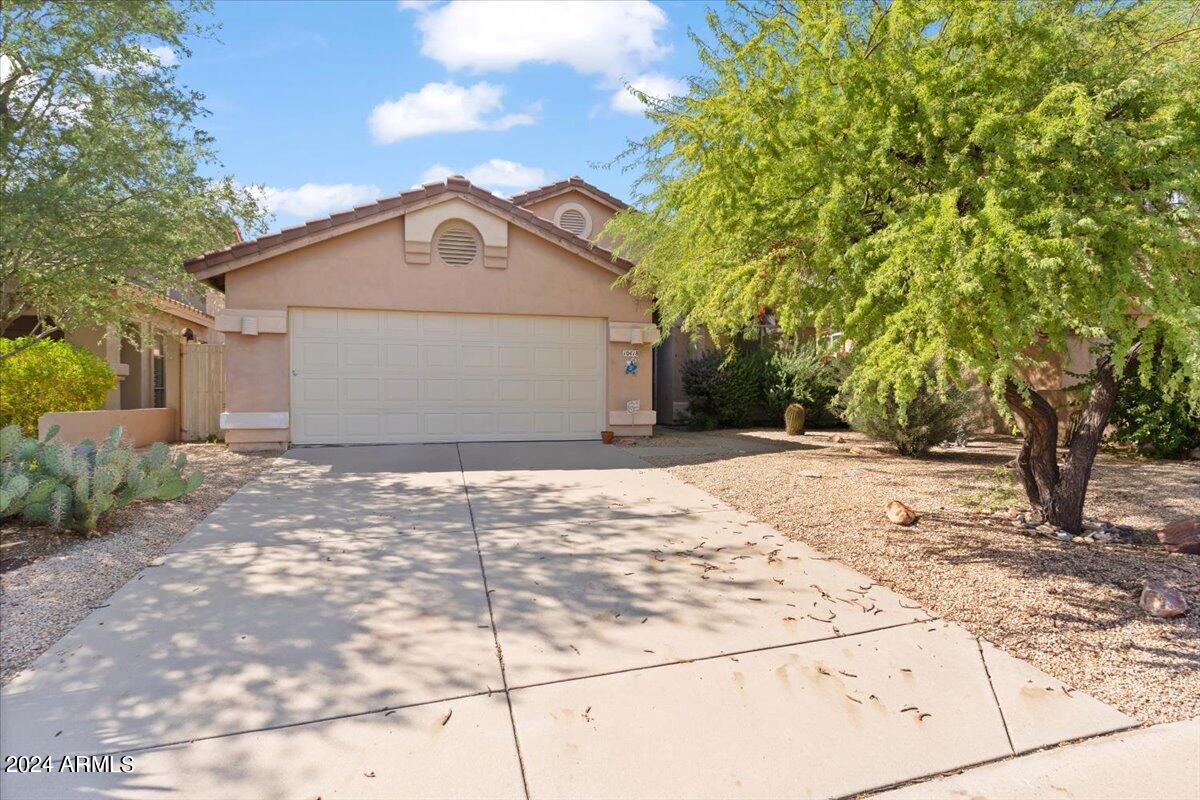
457, 246
158, 371
573, 218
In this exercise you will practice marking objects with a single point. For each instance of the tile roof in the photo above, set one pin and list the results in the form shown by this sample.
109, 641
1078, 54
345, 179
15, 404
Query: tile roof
573, 182
454, 185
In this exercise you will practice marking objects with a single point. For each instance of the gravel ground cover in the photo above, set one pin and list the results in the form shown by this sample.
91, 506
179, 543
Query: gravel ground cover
49, 582
1069, 608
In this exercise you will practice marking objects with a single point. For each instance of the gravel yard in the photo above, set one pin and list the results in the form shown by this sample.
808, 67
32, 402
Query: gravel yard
49, 582
1071, 609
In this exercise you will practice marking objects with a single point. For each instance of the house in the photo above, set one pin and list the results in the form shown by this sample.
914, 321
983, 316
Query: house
148, 365
445, 313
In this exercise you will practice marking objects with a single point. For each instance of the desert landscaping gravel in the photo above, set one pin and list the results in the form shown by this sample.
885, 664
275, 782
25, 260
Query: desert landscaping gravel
50, 582
1069, 608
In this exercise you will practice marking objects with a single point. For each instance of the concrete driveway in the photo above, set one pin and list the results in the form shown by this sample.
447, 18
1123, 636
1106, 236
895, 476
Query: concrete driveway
511, 620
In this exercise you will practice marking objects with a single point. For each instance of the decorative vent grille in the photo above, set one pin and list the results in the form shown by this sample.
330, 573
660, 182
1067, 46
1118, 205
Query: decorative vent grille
457, 247
573, 220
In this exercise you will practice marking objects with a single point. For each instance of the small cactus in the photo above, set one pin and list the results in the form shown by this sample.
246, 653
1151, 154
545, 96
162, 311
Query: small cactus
51, 483
793, 419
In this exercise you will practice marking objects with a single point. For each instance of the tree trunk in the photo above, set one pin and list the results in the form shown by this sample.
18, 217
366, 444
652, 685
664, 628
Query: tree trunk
1057, 494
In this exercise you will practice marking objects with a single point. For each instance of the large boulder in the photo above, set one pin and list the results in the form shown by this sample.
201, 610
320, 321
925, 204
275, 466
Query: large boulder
1182, 536
900, 514
1160, 600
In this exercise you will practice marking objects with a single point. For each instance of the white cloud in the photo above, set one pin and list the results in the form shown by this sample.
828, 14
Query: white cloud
495, 174
316, 199
654, 84
165, 56
444, 108
597, 37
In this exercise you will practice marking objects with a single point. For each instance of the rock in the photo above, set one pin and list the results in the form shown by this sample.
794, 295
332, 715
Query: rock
1063, 536
1078, 540
900, 514
1182, 536
1160, 600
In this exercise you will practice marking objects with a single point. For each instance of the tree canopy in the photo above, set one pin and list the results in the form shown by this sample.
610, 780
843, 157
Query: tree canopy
955, 184
106, 180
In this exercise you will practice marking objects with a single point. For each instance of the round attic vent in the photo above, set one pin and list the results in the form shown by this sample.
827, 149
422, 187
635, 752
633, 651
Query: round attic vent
574, 221
457, 246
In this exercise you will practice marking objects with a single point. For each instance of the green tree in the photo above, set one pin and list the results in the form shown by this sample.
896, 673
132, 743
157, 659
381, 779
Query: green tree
947, 182
103, 184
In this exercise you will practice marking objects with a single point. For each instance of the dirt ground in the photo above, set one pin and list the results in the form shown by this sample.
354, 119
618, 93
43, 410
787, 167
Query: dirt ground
49, 581
1071, 609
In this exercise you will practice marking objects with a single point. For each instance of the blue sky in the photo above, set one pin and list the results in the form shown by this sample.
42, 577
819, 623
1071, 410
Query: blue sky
331, 104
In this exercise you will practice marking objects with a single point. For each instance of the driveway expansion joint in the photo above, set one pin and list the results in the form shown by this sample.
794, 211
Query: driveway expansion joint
487, 593
996, 697
730, 654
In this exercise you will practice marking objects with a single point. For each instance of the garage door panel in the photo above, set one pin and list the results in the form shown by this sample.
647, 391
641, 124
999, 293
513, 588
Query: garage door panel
360, 321
381, 376
513, 390
548, 391
515, 358
439, 357
361, 424
401, 356
474, 390
400, 390
360, 354
360, 390
477, 357
400, 325
318, 355
443, 389
549, 422
440, 424
319, 390
402, 425
314, 321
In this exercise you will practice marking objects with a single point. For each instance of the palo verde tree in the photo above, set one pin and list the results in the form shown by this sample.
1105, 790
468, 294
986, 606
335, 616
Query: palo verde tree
960, 187
103, 184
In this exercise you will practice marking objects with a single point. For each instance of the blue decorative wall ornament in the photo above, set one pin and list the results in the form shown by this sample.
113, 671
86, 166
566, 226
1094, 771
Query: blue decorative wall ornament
631, 366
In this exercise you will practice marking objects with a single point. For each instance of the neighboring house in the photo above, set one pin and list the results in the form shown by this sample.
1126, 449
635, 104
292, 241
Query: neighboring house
147, 367
445, 313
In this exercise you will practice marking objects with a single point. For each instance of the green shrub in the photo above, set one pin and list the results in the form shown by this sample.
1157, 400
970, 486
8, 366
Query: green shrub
51, 483
49, 376
807, 377
755, 385
929, 419
1158, 427
719, 394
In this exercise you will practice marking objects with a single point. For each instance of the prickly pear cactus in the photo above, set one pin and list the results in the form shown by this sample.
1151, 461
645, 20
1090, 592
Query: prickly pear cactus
51, 483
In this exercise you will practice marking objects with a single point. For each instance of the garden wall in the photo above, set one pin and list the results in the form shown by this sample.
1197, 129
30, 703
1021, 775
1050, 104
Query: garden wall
143, 426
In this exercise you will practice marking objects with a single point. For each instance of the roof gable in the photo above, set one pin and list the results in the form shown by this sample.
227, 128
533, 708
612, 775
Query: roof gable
573, 183
212, 266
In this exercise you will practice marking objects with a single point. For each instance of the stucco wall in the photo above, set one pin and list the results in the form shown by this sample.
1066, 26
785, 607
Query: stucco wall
366, 269
143, 426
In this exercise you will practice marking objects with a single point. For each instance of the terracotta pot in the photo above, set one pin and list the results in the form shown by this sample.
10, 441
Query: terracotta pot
607, 436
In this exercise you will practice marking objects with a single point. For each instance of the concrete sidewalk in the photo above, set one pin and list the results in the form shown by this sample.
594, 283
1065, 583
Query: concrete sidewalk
1162, 762
513, 620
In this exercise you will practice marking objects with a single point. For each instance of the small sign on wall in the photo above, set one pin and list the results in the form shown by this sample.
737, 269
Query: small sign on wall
633, 406
629, 353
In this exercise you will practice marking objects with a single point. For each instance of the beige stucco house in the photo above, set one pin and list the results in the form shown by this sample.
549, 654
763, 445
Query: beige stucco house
444, 313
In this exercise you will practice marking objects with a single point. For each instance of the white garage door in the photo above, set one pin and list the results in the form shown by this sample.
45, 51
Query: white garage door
395, 376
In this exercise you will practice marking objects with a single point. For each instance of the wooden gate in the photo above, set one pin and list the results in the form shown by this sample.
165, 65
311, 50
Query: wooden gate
203, 391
